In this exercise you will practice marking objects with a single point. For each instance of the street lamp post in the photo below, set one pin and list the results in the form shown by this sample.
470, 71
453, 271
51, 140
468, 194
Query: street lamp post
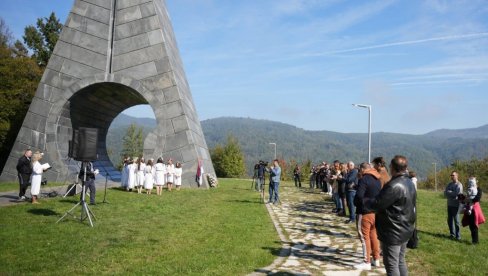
435, 175
369, 127
274, 144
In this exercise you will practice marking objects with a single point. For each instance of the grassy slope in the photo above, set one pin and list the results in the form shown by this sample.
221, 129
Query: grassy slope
224, 231
437, 254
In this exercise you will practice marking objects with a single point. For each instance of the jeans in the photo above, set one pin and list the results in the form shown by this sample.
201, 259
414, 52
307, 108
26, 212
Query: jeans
394, 259
453, 221
273, 190
297, 179
350, 204
337, 201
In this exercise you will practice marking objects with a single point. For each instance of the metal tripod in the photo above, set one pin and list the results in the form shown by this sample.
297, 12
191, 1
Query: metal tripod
85, 210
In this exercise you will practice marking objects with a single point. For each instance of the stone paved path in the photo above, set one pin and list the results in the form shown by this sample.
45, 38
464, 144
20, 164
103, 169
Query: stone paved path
316, 241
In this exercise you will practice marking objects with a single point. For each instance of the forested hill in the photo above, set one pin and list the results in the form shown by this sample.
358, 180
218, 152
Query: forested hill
442, 146
299, 144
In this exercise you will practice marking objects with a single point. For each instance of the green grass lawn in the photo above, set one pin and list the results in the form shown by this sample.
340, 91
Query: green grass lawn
437, 254
223, 231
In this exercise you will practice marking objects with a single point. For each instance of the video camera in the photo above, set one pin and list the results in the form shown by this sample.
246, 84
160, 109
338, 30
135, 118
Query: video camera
263, 163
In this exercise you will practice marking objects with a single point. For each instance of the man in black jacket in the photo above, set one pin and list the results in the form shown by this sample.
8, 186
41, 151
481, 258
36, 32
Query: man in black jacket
24, 172
395, 216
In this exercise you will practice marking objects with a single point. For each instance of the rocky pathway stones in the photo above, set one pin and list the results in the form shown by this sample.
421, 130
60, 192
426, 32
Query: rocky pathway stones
316, 241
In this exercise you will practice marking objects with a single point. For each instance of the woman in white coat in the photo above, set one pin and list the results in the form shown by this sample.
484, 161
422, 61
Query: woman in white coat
178, 173
131, 175
36, 177
160, 175
141, 166
170, 172
149, 177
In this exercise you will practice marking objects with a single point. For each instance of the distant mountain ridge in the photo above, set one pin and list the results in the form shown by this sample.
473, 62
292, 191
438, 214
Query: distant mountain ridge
440, 146
126, 120
478, 132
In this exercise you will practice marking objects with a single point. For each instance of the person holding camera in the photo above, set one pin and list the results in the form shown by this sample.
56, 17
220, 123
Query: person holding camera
24, 171
274, 182
89, 181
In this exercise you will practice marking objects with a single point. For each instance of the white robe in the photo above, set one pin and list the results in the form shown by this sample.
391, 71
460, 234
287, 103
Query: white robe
160, 174
36, 178
131, 178
148, 177
178, 173
140, 174
170, 172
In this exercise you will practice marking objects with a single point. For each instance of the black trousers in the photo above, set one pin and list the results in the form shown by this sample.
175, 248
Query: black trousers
297, 179
24, 181
473, 228
90, 185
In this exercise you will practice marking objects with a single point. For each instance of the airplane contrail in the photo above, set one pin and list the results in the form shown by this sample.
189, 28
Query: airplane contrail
385, 45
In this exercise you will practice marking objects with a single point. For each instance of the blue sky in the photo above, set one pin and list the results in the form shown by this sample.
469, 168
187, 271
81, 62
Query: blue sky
422, 65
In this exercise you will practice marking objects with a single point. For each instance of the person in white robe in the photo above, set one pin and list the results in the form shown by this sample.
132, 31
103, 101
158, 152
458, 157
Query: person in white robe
177, 175
170, 172
36, 177
131, 178
141, 166
160, 175
149, 176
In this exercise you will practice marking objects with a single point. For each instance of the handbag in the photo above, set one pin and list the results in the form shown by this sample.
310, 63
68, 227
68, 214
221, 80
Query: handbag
413, 242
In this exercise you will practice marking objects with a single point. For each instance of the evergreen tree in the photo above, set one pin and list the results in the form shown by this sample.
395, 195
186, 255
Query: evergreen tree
217, 154
42, 38
133, 144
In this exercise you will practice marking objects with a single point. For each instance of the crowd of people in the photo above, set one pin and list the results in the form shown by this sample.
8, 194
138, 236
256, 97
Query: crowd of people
138, 174
382, 203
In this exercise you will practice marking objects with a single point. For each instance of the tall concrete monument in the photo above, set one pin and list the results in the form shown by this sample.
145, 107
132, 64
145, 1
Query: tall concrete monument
111, 55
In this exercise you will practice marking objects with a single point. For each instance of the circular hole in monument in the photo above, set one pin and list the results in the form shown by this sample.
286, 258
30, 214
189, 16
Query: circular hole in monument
141, 117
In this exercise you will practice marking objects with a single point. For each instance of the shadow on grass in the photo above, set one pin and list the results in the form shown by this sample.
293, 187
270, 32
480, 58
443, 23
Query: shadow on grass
72, 200
43, 212
257, 201
441, 236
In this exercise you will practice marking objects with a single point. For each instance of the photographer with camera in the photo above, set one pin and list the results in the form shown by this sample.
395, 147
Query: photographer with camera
260, 171
274, 182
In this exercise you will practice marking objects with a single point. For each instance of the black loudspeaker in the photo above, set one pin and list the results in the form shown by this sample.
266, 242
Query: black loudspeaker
73, 144
84, 144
